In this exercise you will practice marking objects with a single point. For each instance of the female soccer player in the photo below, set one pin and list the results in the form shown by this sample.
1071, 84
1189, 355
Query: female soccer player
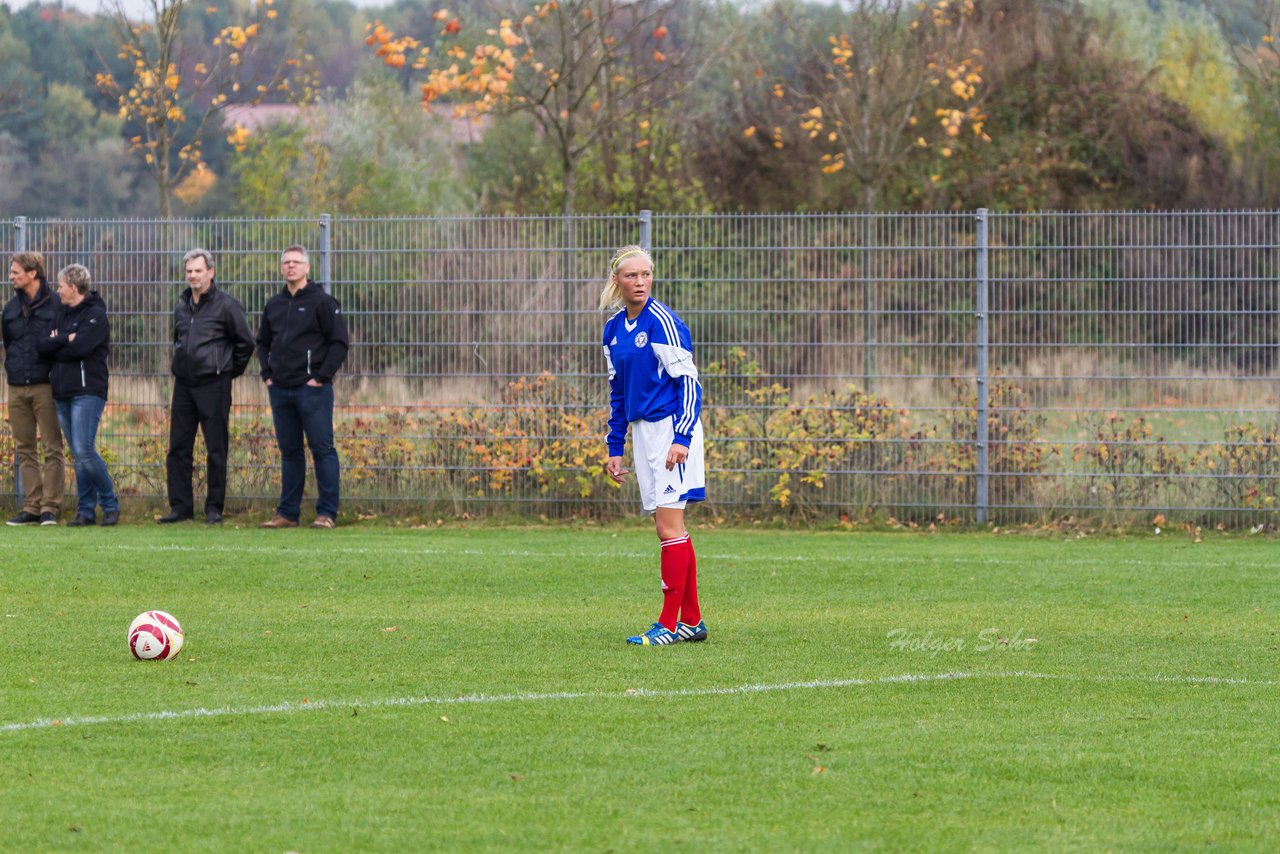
653, 387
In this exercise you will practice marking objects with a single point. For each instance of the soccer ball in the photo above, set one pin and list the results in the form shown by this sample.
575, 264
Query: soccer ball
155, 636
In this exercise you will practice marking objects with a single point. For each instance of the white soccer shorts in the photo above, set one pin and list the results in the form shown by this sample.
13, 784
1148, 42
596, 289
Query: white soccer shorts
650, 442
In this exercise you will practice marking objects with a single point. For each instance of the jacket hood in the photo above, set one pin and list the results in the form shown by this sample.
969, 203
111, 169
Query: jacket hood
312, 286
90, 300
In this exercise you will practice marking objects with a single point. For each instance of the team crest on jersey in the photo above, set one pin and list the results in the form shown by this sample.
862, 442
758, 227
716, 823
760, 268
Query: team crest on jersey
642, 338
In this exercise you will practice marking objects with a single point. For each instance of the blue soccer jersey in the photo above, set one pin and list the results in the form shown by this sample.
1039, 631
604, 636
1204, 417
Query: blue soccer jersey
651, 373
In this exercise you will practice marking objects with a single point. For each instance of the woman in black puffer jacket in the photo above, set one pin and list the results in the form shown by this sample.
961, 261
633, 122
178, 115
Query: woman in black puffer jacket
78, 342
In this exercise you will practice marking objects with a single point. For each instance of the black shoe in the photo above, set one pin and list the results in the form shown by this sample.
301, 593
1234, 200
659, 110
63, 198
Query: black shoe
48, 518
174, 516
213, 517
110, 517
82, 522
24, 518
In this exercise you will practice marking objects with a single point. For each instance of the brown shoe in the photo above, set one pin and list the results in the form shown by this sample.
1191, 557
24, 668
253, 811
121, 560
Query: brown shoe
278, 521
324, 522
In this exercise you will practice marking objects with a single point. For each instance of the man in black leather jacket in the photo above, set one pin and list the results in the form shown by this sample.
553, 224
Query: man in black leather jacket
26, 321
212, 345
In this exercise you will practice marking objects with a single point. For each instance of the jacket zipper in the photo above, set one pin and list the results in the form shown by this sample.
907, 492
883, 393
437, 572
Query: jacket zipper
288, 320
191, 368
308, 363
82, 379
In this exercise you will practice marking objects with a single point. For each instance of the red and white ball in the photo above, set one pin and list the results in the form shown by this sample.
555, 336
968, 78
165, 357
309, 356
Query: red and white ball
155, 636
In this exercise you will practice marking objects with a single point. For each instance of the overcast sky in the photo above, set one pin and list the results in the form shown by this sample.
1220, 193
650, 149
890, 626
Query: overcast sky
134, 6
137, 7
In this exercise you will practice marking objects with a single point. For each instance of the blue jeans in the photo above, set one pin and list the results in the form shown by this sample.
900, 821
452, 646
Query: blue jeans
305, 411
79, 417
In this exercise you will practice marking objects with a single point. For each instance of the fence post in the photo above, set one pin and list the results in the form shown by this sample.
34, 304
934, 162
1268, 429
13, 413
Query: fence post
646, 231
868, 339
19, 245
982, 499
325, 246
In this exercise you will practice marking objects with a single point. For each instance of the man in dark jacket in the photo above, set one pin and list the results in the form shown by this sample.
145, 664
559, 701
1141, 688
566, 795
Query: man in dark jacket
302, 343
31, 409
212, 345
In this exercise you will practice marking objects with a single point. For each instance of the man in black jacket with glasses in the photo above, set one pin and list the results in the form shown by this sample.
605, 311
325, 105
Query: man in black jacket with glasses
302, 343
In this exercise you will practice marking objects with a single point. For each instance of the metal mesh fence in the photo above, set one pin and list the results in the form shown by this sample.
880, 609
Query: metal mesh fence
1138, 351
980, 366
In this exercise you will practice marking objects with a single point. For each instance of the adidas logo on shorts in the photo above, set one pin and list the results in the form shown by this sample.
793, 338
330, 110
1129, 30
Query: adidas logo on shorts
670, 489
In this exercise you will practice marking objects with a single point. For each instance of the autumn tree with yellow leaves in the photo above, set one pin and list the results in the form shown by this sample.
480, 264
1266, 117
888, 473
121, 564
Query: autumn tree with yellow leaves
1251, 30
176, 91
586, 71
903, 78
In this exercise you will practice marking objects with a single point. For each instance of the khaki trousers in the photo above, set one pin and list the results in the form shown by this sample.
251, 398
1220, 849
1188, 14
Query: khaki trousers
31, 411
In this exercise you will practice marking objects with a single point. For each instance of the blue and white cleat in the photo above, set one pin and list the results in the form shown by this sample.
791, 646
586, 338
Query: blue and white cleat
659, 635
692, 634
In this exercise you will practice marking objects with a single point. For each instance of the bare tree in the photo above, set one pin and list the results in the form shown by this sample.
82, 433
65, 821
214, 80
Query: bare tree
578, 67
897, 78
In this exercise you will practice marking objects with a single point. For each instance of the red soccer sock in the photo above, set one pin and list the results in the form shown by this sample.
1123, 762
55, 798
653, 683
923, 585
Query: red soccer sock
690, 612
675, 570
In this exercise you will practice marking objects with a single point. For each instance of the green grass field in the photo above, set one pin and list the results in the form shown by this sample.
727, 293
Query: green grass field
376, 689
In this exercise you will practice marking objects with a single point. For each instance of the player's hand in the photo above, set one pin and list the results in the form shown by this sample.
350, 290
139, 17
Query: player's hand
676, 456
615, 470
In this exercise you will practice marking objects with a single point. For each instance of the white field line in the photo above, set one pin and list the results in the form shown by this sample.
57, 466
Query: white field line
708, 555
485, 699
